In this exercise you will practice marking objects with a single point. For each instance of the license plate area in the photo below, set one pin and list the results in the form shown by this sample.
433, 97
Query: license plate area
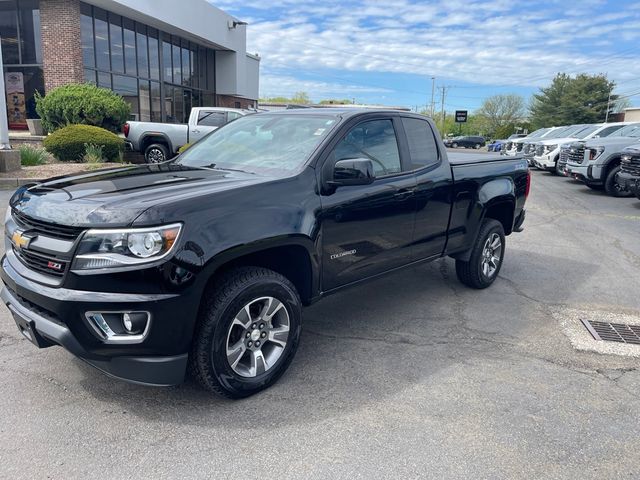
28, 330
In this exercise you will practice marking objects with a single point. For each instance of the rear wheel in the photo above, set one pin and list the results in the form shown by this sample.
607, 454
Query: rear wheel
454, 145
247, 333
484, 264
611, 185
156, 153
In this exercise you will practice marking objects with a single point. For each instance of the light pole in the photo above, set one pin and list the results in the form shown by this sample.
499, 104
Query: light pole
4, 123
433, 91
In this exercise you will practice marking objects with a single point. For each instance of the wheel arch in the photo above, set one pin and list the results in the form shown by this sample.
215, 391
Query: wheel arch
294, 258
150, 138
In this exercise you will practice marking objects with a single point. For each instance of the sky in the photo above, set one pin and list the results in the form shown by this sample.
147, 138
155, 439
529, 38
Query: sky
386, 52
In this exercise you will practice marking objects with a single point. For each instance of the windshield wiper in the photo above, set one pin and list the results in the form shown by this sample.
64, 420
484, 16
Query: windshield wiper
213, 167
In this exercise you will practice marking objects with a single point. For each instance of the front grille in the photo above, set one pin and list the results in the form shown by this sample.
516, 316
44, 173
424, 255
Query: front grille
41, 263
519, 147
564, 156
49, 229
507, 146
539, 150
528, 148
576, 155
631, 165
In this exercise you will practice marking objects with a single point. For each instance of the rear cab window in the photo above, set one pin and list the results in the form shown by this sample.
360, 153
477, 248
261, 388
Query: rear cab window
423, 148
212, 118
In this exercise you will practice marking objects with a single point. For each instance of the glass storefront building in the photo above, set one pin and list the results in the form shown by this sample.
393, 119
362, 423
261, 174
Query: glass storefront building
22, 52
160, 73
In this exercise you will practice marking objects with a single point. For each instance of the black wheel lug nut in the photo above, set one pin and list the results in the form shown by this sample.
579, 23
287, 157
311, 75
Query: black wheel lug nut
249, 343
264, 334
261, 326
253, 326
248, 334
257, 343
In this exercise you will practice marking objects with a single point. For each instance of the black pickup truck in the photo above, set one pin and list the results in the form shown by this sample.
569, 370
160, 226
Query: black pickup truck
204, 263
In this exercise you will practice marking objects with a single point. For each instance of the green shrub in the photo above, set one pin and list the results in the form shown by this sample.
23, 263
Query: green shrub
31, 156
93, 153
184, 147
69, 143
82, 104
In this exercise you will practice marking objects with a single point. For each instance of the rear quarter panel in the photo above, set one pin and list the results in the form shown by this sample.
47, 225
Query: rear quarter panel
476, 188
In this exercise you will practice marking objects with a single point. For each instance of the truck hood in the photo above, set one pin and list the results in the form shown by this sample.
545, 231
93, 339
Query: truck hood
614, 142
558, 141
116, 197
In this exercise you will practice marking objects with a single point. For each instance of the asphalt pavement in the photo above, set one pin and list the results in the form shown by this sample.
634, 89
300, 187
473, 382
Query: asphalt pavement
409, 376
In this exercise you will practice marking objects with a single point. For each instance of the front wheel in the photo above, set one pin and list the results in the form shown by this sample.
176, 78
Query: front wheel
487, 254
612, 187
247, 333
558, 168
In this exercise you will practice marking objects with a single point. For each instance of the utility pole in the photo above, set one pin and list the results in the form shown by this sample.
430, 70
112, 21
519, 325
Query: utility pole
608, 106
4, 123
433, 91
444, 93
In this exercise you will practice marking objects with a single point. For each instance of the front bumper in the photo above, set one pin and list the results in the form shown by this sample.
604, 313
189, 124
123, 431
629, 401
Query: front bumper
545, 161
630, 183
50, 316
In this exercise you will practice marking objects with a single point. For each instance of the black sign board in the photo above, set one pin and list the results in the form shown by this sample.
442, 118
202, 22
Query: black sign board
461, 116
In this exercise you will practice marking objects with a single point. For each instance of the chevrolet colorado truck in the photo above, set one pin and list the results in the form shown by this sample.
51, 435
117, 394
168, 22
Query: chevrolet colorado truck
597, 162
204, 263
160, 141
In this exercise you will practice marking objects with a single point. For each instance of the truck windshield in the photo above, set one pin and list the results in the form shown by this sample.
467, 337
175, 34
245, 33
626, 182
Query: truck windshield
632, 130
263, 143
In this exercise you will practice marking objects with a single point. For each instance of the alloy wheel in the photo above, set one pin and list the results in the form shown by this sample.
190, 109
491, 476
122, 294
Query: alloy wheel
155, 155
491, 255
257, 336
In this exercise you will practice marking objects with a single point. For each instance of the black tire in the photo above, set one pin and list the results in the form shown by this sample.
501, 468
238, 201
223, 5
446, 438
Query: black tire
471, 272
558, 169
156, 153
454, 145
223, 301
612, 187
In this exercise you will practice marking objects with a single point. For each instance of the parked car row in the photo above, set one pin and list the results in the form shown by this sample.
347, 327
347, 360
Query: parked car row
604, 156
498, 145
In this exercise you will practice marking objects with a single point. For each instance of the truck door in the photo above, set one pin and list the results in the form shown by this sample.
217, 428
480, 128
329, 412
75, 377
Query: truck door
368, 229
206, 121
434, 187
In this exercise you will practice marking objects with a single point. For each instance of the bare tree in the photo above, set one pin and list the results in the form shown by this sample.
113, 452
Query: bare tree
500, 111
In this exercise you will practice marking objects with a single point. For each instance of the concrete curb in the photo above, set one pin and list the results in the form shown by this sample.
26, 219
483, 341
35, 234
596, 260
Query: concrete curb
7, 183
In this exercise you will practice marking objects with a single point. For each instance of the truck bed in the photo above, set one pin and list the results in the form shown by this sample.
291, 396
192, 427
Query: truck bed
457, 159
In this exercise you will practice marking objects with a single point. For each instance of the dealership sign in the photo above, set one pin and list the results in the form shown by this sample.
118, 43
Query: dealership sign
461, 116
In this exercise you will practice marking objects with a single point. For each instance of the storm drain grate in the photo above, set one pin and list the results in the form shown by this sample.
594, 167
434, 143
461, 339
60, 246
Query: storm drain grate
613, 332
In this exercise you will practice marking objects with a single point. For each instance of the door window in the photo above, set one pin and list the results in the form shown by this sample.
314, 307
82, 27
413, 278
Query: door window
375, 140
211, 119
422, 144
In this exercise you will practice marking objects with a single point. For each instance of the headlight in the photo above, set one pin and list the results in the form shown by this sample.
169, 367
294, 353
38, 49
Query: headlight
595, 152
122, 248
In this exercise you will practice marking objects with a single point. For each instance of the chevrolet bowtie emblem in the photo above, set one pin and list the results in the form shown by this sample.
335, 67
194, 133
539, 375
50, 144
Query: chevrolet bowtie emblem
20, 240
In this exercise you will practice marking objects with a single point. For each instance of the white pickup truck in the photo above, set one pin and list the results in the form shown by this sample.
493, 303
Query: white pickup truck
160, 141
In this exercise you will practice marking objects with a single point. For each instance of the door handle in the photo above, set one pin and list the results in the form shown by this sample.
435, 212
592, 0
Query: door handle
196, 131
402, 194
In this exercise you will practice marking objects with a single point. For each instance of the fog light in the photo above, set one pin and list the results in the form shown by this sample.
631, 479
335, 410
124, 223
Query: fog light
135, 322
120, 327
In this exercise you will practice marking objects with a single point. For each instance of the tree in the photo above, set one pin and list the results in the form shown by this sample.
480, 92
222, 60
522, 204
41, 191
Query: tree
501, 112
571, 100
301, 98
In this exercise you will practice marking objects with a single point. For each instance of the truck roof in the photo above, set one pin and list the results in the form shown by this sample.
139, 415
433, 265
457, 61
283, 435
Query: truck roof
336, 111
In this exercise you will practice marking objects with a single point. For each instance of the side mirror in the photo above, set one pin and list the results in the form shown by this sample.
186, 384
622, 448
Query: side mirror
354, 171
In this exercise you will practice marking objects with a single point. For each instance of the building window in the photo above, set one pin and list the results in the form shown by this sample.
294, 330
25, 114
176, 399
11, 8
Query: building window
22, 57
161, 76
